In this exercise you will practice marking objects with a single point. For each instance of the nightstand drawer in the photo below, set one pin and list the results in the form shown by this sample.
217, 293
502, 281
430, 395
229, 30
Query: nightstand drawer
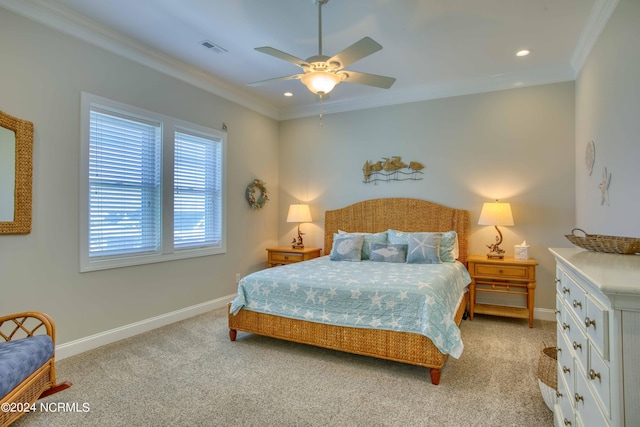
507, 271
285, 257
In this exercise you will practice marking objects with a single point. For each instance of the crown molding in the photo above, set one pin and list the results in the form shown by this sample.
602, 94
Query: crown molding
73, 24
598, 18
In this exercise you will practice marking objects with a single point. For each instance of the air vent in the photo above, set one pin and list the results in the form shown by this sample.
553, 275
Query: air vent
213, 47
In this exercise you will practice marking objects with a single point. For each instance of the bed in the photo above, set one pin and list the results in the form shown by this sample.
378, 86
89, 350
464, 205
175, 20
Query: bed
370, 216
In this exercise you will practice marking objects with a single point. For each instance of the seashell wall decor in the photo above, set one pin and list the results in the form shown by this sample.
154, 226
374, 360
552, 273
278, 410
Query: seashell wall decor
391, 169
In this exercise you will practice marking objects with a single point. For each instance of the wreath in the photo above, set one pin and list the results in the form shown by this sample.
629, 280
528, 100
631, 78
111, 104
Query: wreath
263, 198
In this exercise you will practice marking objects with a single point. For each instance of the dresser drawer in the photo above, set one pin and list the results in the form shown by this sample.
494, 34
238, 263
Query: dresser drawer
577, 339
575, 297
598, 377
596, 322
587, 407
560, 308
506, 271
566, 368
285, 257
563, 414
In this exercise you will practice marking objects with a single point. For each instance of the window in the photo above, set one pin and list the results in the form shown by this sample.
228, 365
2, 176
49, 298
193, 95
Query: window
152, 187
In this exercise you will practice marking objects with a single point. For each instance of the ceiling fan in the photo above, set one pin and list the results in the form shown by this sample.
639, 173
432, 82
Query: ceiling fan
322, 73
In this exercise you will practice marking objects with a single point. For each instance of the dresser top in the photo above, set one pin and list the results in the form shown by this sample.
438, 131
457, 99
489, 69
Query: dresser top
611, 273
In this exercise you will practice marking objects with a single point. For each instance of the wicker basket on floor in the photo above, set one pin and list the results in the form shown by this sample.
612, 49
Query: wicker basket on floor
602, 243
548, 375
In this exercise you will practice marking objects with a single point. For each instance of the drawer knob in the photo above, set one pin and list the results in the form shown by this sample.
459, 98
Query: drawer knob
558, 394
567, 422
577, 304
565, 326
588, 322
560, 349
286, 257
593, 375
578, 398
558, 280
566, 370
566, 290
577, 346
557, 311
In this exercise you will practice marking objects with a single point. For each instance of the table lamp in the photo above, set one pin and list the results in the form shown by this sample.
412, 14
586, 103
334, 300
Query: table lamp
298, 213
496, 214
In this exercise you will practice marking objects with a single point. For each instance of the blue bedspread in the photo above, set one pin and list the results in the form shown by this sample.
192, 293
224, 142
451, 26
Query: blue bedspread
418, 298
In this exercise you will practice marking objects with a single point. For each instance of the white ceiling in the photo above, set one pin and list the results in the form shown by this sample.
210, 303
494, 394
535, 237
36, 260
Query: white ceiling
434, 48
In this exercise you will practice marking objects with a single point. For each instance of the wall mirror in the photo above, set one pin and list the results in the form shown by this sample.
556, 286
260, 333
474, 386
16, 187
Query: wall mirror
16, 172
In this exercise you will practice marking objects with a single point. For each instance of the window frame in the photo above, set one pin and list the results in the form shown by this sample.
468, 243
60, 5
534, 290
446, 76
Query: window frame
169, 126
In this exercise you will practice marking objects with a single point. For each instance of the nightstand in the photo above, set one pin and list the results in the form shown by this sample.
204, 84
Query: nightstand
286, 255
509, 276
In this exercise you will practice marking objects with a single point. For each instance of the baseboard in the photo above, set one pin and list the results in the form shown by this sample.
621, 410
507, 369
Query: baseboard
544, 314
94, 341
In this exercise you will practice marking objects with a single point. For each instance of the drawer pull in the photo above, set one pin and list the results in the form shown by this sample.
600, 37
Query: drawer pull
558, 394
593, 375
565, 326
559, 349
566, 290
577, 304
567, 422
558, 280
557, 311
577, 346
588, 322
578, 398
566, 370
286, 257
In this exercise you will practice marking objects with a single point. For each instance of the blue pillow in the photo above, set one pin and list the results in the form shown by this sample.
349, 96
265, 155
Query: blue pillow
448, 244
383, 252
424, 248
398, 237
368, 239
346, 247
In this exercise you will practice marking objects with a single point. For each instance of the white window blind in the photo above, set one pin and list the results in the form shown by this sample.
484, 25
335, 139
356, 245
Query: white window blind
152, 187
124, 185
197, 198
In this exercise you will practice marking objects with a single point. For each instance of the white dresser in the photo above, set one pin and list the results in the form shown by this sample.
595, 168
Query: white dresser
598, 313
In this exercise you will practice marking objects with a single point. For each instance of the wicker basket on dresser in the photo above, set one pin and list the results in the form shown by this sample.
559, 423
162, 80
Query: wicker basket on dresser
598, 313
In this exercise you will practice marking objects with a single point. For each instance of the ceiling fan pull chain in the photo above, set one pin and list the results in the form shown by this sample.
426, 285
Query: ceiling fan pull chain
321, 122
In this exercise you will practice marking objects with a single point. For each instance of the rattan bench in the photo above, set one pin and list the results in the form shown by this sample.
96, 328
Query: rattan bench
27, 369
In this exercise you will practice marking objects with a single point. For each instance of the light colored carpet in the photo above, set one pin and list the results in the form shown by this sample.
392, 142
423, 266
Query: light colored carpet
190, 374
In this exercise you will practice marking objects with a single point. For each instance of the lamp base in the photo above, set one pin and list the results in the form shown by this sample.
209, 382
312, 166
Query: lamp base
495, 255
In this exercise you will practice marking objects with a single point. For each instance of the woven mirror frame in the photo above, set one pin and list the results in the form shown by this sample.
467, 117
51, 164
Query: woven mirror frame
23, 130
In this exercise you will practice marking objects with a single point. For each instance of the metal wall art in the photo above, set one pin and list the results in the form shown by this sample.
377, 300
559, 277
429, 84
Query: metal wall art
391, 169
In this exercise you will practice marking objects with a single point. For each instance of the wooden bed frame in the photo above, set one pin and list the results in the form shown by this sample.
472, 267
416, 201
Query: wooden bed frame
370, 216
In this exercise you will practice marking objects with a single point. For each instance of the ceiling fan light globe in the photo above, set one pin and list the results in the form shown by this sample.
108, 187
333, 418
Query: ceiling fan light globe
320, 82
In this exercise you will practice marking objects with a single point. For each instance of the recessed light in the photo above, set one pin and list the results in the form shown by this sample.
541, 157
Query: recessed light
523, 52
288, 94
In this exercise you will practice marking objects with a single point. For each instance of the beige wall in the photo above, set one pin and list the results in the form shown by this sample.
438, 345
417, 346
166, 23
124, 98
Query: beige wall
516, 145
608, 112
42, 73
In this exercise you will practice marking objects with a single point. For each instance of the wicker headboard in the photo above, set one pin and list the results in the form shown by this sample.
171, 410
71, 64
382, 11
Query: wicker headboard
376, 215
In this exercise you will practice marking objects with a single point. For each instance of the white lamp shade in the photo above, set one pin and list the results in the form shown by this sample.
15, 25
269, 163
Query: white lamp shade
299, 213
321, 82
496, 214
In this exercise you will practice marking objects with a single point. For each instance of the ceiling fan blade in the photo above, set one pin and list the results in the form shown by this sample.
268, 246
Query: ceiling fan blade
277, 79
368, 79
282, 55
356, 52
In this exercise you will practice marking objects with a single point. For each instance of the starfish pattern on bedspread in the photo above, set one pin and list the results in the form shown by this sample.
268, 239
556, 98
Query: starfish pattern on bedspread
417, 298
